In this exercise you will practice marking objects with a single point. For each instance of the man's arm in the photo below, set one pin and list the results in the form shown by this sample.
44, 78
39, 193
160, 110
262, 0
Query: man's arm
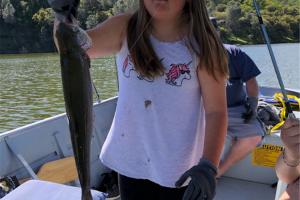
251, 101
252, 88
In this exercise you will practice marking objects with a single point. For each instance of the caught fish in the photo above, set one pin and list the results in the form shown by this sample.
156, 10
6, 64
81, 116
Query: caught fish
77, 88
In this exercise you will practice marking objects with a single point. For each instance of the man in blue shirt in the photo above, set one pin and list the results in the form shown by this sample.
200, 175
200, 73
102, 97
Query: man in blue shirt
244, 129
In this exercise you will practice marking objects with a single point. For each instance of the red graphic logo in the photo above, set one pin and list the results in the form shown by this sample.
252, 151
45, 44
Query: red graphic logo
178, 73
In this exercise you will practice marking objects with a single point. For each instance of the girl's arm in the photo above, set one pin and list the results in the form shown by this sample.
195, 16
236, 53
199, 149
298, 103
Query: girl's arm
215, 105
107, 37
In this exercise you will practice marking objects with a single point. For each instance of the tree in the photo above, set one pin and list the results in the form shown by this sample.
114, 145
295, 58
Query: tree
234, 13
124, 6
7, 11
28, 23
93, 19
44, 16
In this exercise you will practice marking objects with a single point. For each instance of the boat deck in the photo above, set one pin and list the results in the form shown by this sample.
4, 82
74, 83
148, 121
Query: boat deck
236, 189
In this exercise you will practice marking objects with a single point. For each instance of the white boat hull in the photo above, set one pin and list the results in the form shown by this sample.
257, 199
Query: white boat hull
49, 139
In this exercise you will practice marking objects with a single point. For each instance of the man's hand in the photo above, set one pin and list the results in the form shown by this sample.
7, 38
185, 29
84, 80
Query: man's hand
290, 136
203, 181
251, 109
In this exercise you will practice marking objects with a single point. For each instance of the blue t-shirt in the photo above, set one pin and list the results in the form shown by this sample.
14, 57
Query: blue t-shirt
241, 69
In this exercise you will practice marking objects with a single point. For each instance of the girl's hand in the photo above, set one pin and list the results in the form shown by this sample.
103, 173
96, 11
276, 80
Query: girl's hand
203, 181
290, 135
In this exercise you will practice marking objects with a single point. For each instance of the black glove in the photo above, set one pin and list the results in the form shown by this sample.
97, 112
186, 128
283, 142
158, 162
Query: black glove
251, 109
203, 181
268, 114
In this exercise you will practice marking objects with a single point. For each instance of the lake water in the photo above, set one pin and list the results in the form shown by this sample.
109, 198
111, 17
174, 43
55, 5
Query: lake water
30, 84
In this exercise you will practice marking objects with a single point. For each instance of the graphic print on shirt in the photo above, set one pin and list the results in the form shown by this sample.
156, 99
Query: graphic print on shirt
178, 73
128, 67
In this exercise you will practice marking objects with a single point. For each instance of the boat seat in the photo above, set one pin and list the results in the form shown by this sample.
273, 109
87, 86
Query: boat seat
37, 190
26, 158
59, 171
20, 157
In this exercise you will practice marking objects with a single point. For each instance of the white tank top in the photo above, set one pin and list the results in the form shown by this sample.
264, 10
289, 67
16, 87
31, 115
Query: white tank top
158, 128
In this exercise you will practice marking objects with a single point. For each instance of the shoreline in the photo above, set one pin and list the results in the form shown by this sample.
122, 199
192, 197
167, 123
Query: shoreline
55, 52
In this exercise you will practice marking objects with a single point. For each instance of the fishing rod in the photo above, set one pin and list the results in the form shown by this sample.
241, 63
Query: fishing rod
289, 113
281, 186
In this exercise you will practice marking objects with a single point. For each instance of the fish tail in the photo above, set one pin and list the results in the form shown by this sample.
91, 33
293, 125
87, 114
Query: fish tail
86, 194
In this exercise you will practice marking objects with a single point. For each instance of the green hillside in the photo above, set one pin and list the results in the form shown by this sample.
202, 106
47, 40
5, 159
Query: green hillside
26, 25
240, 24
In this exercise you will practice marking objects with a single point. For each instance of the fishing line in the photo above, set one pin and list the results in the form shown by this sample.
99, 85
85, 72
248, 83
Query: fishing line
118, 86
98, 96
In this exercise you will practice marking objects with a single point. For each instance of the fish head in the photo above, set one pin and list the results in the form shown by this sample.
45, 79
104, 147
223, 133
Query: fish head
65, 8
68, 37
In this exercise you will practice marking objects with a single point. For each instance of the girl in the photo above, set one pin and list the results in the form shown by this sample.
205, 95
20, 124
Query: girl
171, 120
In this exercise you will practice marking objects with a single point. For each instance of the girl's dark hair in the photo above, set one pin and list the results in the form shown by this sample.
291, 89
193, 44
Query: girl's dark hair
202, 39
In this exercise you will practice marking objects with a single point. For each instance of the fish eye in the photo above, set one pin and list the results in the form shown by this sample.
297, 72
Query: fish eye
75, 29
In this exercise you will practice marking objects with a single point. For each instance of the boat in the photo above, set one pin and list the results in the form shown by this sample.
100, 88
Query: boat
26, 150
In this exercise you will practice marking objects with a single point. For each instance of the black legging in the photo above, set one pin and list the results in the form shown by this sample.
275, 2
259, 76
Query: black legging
140, 189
